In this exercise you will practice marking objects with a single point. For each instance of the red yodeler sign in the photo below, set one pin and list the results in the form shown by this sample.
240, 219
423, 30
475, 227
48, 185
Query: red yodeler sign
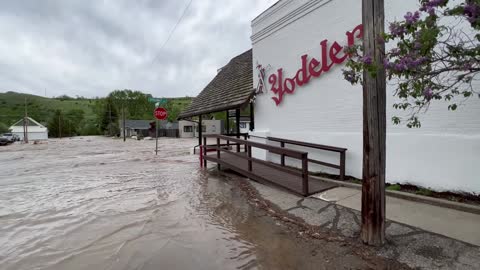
313, 68
160, 113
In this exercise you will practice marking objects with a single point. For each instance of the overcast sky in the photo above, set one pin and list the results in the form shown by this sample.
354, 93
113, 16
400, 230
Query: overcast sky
91, 47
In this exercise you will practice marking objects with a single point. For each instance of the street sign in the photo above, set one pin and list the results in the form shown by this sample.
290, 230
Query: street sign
160, 113
159, 100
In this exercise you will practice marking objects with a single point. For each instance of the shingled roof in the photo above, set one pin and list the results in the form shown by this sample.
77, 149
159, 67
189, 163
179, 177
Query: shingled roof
231, 88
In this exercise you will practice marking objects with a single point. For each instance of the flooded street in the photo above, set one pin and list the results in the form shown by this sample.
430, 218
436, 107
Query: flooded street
99, 203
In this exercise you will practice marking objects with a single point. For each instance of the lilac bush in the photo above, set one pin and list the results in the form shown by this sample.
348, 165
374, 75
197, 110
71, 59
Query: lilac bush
431, 61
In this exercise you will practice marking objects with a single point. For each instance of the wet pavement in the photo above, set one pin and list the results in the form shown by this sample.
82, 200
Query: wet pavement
101, 203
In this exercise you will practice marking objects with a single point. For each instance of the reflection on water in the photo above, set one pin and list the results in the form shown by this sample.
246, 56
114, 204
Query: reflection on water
98, 203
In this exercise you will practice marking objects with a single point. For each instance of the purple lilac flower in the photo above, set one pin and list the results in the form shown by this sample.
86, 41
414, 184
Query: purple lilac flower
349, 76
395, 52
467, 66
417, 45
367, 59
411, 18
396, 29
471, 11
428, 93
387, 64
431, 5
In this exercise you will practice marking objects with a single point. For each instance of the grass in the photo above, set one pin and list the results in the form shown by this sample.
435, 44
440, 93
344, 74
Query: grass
424, 192
40, 108
395, 187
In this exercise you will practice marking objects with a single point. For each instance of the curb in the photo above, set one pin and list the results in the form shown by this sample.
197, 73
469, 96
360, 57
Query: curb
413, 197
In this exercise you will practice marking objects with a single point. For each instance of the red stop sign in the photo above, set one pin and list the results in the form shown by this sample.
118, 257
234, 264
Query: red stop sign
160, 113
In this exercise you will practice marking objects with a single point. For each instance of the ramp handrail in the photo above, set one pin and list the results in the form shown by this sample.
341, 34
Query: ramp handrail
301, 155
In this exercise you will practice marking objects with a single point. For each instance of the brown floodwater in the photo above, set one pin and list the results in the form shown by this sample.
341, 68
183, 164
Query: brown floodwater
99, 203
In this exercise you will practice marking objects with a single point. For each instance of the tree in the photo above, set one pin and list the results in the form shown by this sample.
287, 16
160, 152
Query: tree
108, 115
135, 104
59, 126
437, 57
173, 110
4, 128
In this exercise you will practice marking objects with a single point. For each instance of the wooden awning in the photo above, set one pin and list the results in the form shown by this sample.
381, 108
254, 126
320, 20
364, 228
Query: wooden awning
231, 88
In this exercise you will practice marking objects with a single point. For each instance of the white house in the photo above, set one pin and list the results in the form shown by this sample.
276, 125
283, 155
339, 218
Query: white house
189, 129
297, 36
35, 130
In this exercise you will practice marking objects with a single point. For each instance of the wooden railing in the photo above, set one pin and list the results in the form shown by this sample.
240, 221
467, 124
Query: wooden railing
341, 151
302, 156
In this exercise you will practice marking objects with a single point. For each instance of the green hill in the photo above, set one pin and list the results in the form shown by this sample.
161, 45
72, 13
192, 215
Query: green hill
42, 109
12, 107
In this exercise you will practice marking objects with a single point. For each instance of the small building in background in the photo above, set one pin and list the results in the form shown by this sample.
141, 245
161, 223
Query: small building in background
168, 129
145, 128
244, 124
189, 129
35, 130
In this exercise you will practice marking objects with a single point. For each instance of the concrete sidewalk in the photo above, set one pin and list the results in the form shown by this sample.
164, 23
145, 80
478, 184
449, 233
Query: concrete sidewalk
449, 222
418, 244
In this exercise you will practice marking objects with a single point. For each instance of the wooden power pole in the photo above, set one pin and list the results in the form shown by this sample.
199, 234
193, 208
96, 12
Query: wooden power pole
25, 124
374, 126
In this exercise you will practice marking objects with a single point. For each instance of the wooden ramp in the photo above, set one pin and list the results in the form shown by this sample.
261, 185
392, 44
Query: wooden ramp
241, 162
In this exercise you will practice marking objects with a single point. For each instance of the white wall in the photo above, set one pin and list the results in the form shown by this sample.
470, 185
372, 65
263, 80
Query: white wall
34, 132
211, 127
443, 154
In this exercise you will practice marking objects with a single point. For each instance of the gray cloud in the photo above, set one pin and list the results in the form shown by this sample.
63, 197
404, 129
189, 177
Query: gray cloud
89, 48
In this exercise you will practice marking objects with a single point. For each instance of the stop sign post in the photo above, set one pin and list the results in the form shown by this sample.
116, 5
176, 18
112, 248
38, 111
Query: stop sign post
160, 114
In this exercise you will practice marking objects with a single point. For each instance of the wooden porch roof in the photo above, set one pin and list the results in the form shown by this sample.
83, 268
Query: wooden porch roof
231, 88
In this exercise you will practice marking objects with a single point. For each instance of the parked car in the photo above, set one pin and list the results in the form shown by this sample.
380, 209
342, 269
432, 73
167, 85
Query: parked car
4, 141
11, 137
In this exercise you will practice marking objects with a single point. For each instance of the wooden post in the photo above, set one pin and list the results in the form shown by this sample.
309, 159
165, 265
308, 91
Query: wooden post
237, 124
252, 117
249, 153
200, 130
374, 127
123, 116
282, 156
218, 153
305, 174
228, 122
342, 165
203, 149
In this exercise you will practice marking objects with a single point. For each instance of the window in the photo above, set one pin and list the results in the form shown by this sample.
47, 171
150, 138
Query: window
187, 128
243, 124
204, 128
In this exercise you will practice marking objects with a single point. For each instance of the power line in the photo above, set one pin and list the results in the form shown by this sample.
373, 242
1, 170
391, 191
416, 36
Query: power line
174, 28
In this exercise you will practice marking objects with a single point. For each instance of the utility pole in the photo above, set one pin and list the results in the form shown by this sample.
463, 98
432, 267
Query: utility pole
374, 126
123, 112
25, 124
110, 116
59, 126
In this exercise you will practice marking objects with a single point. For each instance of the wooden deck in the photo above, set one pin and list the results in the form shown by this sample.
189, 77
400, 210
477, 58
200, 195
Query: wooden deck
261, 172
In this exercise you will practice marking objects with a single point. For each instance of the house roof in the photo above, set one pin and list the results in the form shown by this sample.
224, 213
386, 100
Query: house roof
31, 123
136, 124
231, 88
164, 124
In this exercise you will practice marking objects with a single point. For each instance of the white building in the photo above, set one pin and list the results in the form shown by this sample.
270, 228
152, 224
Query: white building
244, 124
443, 154
189, 129
36, 131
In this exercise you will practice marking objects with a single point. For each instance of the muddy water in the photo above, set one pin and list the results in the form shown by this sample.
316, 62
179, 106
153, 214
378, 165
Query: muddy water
98, 203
